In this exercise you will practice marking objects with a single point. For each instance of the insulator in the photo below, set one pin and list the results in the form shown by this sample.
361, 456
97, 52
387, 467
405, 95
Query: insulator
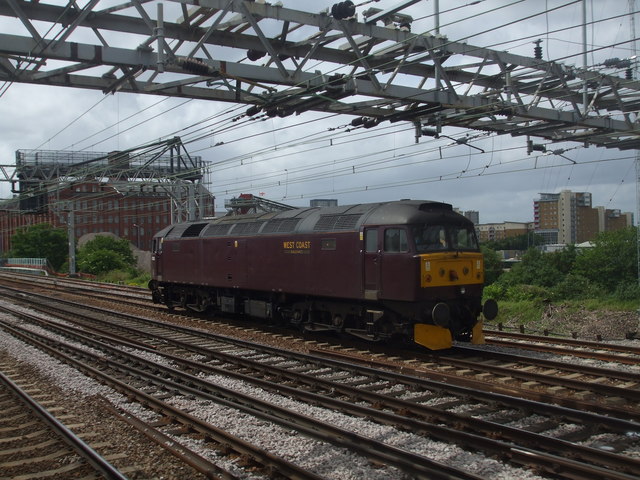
537, 50
195, 66
356, 122
405, 26
430, 132
371, 122
254, 55
342, 10
611, 62
283, 112
251, 111
628, 74
537, 53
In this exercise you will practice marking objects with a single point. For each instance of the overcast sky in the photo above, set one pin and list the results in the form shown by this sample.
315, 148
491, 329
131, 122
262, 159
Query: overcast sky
314, 155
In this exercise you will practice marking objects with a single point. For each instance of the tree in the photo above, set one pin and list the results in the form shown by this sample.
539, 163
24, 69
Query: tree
41, 241
104, 254
492, 265
518, 242
613, 261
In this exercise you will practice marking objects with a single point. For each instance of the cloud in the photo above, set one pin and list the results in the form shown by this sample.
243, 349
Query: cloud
314, 155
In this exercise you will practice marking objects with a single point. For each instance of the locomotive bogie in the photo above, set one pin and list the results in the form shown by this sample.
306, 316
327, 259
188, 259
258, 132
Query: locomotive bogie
399, 269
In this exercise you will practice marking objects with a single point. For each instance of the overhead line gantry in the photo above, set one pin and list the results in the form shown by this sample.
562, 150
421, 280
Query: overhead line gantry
371, 66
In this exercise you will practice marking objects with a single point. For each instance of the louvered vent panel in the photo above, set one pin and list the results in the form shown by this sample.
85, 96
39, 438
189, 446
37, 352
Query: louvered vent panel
217, 230
336, 222
280, 225
248, 228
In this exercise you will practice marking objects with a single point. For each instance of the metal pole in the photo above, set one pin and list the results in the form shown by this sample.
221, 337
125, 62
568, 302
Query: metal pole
584, 56
159, 33
71, 234
436, 7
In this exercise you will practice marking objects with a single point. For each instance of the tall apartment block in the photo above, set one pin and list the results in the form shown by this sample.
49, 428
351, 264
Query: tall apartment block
568, 217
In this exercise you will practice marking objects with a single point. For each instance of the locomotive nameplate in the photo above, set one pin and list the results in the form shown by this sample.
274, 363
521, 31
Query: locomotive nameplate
297, 247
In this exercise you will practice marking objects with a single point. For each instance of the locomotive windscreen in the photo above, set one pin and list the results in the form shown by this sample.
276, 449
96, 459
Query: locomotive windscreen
430, 238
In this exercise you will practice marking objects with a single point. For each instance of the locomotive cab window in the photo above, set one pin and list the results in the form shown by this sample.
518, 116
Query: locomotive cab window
430, 238
463, 239
395, 240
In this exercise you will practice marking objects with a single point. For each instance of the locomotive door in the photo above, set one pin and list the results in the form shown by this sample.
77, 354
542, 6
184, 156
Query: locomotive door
371, 264
156, 257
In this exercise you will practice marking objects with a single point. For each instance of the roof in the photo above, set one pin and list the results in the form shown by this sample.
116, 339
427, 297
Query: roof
320, 219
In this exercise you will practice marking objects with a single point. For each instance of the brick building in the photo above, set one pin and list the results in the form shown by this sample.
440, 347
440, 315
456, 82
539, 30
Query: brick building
499, 231
131, 194
129, 210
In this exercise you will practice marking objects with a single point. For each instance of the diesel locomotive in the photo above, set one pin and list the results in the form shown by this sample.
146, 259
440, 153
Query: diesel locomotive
405, 269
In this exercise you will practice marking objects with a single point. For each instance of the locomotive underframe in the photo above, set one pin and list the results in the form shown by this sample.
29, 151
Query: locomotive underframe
372, 320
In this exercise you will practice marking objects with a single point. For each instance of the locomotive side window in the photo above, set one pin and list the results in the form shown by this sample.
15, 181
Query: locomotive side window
371, 240
395, 240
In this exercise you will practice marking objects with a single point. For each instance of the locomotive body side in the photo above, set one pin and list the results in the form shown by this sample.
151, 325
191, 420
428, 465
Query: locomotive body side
358, 269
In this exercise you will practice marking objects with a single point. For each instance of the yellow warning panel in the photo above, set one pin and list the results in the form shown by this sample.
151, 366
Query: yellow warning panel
477, 335
432, 336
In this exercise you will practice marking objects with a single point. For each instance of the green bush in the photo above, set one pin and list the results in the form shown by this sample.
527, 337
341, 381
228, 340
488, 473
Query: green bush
103, 254
627, 292
574, 287
497, 291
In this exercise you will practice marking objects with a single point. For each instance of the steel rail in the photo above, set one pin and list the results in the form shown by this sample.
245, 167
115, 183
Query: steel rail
566, 341
607, 357
608, 390
545, 363
414, 464
265, 458
87, 453
572, 409
412, 410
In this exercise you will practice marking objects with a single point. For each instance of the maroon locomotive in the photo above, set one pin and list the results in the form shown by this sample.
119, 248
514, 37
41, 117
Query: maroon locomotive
411, 269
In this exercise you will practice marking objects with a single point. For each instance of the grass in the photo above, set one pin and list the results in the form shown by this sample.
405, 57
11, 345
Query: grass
125, 277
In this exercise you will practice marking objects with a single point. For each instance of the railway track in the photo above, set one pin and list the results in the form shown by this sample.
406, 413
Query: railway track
422, 405
607, 352
35, 444
148, 381
139, 297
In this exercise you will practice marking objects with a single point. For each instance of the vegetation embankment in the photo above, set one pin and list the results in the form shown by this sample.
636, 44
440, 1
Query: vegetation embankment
107, 258
569, 290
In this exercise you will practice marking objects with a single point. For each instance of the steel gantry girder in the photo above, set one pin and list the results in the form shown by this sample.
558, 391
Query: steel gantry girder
258, 54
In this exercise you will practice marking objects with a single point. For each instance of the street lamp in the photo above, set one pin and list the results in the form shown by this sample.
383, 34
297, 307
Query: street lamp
137, 235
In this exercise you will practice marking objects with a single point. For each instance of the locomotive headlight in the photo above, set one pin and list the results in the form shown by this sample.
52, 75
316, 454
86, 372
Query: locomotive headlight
463, 290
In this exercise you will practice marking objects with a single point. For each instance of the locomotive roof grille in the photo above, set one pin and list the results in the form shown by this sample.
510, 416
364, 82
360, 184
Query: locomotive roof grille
219, 230
281, 225
193, 230
336, 222
247, 228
